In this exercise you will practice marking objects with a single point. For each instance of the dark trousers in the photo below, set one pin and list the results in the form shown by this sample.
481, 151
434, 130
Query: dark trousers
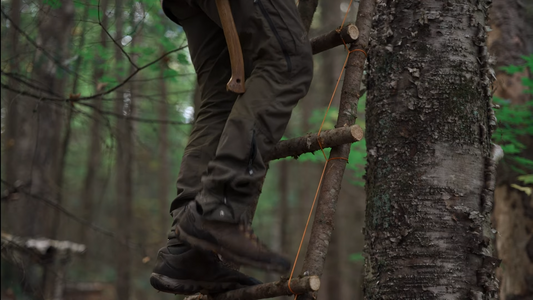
223, 165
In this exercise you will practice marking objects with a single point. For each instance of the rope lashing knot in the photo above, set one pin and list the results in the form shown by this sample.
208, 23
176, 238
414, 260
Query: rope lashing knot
342, 158
360, 50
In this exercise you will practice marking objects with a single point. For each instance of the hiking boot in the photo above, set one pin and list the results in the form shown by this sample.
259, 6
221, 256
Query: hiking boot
182, 269
233, 241
185, 270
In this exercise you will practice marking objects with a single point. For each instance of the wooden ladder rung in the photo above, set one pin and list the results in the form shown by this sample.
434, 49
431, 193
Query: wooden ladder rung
309, 143
266, 290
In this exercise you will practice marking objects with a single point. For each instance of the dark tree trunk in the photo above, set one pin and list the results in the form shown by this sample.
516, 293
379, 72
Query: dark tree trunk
89, 190
48, 120
511, 35
48, 126
64, 146
17, 141
16, 157
163, 159
123, 167
428, 232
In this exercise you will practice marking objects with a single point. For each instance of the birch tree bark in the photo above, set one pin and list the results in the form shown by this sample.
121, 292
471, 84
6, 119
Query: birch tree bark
428, 232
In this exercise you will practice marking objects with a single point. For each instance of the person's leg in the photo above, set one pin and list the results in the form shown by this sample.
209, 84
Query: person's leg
209, 54
181, 269
275, 42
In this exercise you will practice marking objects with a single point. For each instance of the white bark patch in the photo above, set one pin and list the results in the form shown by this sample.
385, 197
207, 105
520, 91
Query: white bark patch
458, 169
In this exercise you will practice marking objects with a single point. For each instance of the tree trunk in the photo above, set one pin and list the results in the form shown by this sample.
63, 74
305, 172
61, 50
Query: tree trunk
52, 25
163, 159
18, 141
68, 126
95, 148
513, 214
123, 166
512, 30
48, 125
428, 233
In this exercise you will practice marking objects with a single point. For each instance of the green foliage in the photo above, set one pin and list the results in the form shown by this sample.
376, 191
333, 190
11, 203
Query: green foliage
527, 179
53, 3
355, 257
526, 81
515, 121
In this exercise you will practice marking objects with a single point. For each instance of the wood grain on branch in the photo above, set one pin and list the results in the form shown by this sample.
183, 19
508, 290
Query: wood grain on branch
309, 143
334, 38
266, 290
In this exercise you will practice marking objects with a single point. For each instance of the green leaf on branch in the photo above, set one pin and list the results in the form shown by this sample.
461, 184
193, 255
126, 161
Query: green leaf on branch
512, 69
527, 179
182, 58
356, 257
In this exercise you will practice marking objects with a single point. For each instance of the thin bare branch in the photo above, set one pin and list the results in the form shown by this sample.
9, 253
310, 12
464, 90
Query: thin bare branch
17, 78
37, 46
114, 41
132, 118
14, 189
99, 94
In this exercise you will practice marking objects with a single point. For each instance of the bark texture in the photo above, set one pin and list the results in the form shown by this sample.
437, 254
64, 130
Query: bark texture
512, 31
428, 233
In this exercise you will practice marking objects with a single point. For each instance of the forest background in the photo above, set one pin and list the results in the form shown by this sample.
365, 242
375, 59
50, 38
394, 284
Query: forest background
98, 98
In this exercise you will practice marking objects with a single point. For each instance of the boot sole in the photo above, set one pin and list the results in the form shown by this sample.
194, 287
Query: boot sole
226, 254
169, 285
